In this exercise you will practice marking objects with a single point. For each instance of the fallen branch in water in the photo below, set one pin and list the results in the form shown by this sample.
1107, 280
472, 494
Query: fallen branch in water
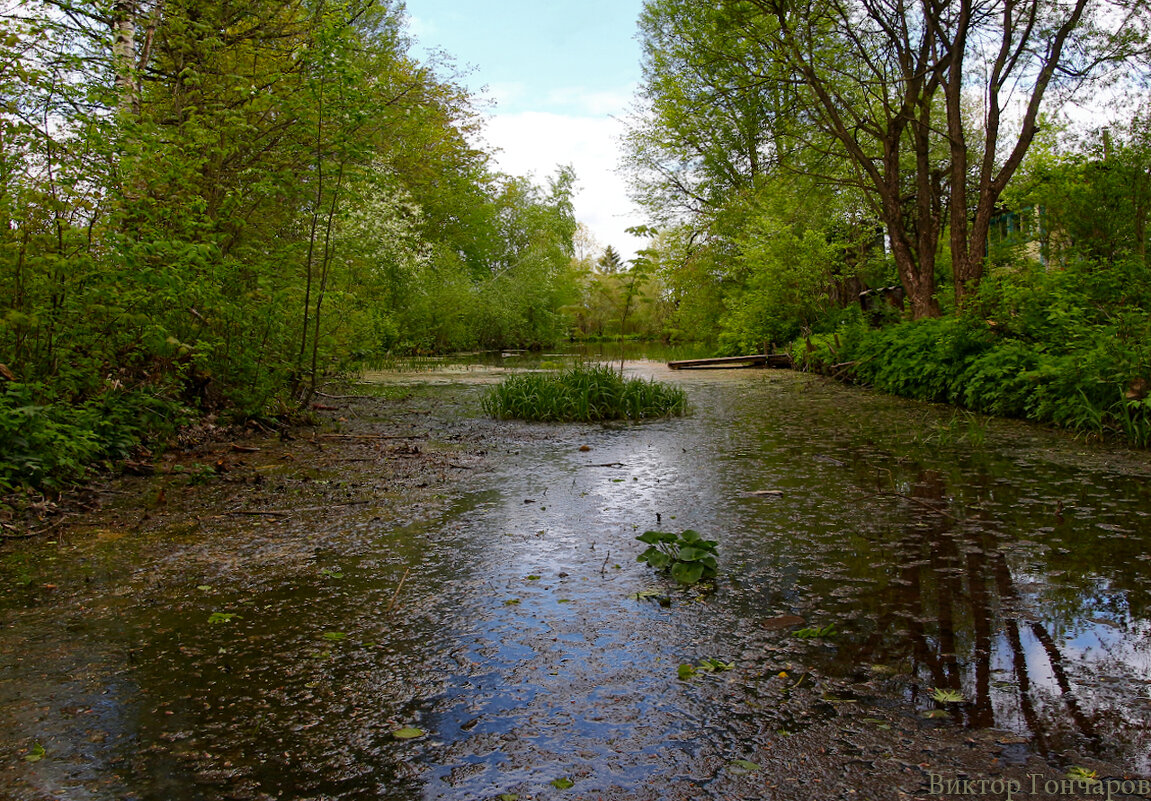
605, 464
287, 512
396, 594
919, 501
372, 436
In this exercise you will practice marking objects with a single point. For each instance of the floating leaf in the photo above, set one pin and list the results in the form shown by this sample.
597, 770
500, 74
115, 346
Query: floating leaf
1074, 772
562, 783
511, 601
222, 617
743, 766
334, 635
945, 696
204, 588
509, 797
533, 577
811, 633
37, 754
935, 713
715, 665
686, 671
407, 733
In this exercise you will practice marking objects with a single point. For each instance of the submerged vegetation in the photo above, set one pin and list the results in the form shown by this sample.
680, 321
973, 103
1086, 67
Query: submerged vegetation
583, 393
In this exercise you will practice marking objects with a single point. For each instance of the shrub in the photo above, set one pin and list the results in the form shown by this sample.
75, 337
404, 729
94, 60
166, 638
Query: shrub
48, 442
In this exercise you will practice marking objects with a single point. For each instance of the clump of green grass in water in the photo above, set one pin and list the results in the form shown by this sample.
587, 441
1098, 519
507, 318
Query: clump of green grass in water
584, 393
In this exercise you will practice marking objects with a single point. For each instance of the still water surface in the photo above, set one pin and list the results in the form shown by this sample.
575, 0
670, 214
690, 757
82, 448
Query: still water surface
936, 551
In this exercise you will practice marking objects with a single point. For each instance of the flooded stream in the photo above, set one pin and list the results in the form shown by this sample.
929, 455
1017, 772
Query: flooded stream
904, 591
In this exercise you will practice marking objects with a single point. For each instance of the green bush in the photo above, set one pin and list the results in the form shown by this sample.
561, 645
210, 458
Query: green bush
584, 394
1069, 347
48, 442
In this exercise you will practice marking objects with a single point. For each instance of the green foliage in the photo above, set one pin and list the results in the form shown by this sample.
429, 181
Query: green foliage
1070, 347
688, 557
48, 441
815, 633
220, 214
947, 696
584, 393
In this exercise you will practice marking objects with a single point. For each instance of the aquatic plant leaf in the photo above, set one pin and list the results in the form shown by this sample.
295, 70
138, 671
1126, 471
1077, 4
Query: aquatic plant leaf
509, 797
686, 671
1074, 772
334, 635
655, 537
222, 617
743, 766
687, 572
37, 753
408, 733
204, 588
562, 783
655, 557
715, 665
946, 696
689, 553
812, 633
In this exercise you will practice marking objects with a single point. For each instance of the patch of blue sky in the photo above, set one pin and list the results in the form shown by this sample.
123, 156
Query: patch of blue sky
559, 78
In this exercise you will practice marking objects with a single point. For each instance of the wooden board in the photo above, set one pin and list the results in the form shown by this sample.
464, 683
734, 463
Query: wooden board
721, 362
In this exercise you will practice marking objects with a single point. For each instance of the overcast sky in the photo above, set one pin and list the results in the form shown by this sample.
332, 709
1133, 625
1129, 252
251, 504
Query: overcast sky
561, 76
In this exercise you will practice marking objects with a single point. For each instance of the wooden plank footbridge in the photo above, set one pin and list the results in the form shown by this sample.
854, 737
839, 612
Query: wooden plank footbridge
781, 360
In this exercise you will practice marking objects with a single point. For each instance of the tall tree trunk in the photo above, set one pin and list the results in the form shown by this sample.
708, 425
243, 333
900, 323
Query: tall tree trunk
124, 55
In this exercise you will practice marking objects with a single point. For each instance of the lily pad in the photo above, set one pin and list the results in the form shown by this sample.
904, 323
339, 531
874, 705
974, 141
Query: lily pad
408, 733
562, 783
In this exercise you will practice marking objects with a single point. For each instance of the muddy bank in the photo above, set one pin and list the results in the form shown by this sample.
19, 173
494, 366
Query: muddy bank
271, 623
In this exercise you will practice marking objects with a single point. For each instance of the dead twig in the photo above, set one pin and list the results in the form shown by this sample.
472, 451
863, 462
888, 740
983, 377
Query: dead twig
396, 594
606, 464
288, 512
919, 501
372, 436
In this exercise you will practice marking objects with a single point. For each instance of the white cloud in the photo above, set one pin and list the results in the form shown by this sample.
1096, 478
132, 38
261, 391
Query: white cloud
582, 101
419, 27
537, 143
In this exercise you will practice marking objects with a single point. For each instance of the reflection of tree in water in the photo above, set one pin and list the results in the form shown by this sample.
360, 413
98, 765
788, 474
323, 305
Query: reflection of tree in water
953, 609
